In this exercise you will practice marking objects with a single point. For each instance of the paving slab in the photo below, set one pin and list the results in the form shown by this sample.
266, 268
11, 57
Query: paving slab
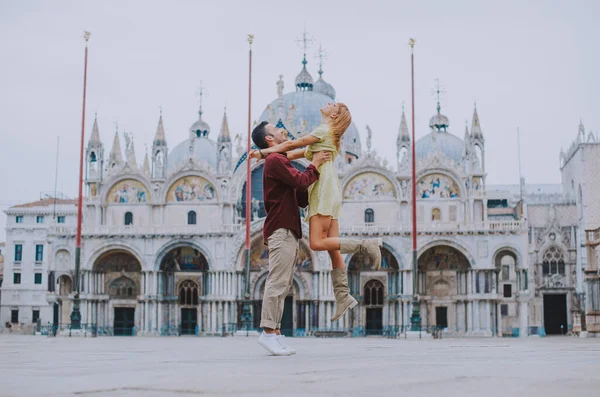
238, 366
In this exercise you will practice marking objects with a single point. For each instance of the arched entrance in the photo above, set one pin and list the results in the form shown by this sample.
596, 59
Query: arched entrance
121, 274
555, 288
374, 307
188, 303
442, 273
374, 316
183, 279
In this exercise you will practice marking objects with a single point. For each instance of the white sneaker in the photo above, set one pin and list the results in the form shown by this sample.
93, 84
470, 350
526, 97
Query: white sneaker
283, 342
272, 345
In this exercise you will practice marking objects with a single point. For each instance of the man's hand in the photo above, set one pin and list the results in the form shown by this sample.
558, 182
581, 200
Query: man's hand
255, 154
320, 158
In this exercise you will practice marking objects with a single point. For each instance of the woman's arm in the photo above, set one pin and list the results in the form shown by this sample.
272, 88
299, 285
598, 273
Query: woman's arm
291, 145
295, 154
286, 147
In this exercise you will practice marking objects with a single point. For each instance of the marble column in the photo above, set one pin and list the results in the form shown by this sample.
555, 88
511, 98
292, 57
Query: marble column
476, 316
469, 316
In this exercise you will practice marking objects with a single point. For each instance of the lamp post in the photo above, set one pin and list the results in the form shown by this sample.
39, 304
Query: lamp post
415, 318
76, 314
246, 310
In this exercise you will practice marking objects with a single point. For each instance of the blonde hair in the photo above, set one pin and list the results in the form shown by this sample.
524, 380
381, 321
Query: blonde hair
340, 124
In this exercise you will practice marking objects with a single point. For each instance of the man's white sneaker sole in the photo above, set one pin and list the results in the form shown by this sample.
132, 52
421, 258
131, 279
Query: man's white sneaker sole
280, 351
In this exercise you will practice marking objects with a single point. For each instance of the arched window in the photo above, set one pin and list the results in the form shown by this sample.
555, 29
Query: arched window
436, 214
93, 157
128, 218
374, 293
554, 262
369, 215
192, 218
188, 293
122, 287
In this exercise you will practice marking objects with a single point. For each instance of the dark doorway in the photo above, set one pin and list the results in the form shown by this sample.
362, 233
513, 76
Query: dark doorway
189, 321
55, 314
124, 321
555, 314
374, 321
287, 321
441, 317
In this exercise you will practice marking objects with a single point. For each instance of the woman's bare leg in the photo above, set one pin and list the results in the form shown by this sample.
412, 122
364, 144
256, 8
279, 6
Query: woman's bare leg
318, 234
337, 262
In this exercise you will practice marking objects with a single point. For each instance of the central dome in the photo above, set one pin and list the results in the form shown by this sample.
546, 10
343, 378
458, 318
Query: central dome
300, 112
440, 141
203, 149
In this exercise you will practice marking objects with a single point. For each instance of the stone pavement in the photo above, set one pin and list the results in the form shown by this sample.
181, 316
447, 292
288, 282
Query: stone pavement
237, 366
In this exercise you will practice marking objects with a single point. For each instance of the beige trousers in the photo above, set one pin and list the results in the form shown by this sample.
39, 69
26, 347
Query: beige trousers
283, 250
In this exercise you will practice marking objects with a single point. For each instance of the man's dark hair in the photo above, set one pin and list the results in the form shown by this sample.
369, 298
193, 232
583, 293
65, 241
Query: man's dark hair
258, 135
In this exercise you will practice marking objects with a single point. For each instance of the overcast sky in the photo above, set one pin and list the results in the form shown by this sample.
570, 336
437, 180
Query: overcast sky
532, 65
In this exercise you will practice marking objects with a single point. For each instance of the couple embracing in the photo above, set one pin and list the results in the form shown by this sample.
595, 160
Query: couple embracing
285, 189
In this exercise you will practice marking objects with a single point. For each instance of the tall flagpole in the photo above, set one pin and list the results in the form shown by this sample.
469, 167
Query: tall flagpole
246, 310
415, 318
76, 314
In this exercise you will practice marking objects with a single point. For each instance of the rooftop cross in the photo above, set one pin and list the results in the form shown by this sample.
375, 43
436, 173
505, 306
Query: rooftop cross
201, 93
306, 41
321, 56
438, 91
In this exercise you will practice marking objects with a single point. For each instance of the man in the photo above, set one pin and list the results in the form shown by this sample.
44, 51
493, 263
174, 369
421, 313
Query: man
284, 190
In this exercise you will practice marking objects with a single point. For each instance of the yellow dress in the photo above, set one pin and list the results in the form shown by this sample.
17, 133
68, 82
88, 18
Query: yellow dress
325, 195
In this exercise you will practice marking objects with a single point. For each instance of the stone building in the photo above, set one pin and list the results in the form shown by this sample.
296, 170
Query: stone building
163, 241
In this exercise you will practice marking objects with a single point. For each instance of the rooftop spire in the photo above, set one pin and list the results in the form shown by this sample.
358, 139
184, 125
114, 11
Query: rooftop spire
115, 153
146, 164
160, 138
404, 136
224, 134
95, 138
475, 127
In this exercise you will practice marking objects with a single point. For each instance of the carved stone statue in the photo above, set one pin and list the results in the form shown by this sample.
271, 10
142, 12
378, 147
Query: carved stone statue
280, 85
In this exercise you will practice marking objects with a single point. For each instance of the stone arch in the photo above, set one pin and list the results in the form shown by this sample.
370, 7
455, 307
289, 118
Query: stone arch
188, 173
369, 185
299, 287
191, 188
65, 285
450, 243
117, 260
127, 189
169, 247
439, 184
441, 256
112, 246
506, 250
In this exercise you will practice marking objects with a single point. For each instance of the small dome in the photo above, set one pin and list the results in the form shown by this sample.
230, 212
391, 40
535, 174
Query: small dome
451, 146
324, 88
439, 122
200, 128
304, 81
203, 149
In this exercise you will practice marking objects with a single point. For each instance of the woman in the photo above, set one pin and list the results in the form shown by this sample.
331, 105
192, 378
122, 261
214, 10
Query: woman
325, 200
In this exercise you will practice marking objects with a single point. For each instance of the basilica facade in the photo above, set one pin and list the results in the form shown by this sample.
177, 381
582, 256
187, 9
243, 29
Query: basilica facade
163, 249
